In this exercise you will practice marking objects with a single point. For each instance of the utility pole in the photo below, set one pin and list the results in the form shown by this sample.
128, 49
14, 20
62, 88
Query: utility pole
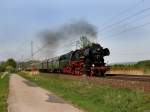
22, 61
31, 50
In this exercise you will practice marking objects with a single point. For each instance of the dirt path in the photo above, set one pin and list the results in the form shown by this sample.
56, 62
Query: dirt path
27, 97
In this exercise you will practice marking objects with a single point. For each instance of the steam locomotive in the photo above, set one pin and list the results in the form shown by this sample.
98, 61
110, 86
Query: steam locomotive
86, 61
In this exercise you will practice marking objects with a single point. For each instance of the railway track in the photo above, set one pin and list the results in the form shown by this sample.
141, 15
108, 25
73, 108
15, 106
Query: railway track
144, 78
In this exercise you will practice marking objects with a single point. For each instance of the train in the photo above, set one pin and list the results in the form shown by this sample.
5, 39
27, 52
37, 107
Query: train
87, 61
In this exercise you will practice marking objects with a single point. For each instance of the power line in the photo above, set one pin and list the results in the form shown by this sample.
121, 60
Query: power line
124, 19
145, 16
123, 12
135, 20
40, 49
129, 29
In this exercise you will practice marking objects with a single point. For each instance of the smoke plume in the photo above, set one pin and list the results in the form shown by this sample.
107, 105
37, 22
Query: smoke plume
67, 33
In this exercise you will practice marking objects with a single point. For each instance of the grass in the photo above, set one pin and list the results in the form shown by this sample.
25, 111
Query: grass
91, 97
4, 83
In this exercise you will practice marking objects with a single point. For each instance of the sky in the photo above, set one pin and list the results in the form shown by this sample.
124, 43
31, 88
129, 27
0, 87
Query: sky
128, 40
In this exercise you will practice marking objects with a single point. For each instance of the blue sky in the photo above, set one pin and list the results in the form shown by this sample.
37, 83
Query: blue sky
22, 20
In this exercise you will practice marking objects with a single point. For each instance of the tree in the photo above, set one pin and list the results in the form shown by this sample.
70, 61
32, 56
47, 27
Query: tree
10, 65
11, 62
2, 67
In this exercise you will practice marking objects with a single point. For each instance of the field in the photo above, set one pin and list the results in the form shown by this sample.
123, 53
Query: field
4, 83
92, 97
139, 68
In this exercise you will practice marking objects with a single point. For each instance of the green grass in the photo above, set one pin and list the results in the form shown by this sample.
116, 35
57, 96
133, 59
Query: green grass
4, 83
92, 97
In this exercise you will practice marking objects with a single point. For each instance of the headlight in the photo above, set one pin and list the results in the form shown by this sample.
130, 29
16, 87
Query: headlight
93, 65
98, 49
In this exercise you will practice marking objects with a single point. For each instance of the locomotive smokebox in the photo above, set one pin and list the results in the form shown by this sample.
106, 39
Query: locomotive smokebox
106, 52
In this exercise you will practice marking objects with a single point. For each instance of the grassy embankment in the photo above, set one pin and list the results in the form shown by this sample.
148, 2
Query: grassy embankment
92, 97
4, 84
141, 67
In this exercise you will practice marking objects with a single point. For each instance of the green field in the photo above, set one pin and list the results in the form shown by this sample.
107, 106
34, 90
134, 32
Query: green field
92, 97
4, 83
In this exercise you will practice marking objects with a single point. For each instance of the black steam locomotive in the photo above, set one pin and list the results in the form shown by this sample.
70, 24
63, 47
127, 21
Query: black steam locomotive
87, 61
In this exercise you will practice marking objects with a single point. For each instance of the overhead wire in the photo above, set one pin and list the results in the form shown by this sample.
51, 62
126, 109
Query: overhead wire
129, 29
123, 12
124, 19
